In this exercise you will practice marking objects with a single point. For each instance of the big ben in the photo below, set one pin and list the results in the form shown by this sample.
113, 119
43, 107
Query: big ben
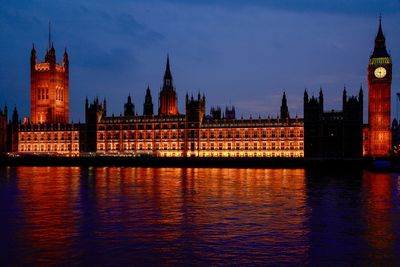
379, 84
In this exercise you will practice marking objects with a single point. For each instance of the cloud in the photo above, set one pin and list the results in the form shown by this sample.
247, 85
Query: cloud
361, 7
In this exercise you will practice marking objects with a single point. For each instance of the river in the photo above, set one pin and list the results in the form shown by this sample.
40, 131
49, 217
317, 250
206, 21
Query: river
69, 216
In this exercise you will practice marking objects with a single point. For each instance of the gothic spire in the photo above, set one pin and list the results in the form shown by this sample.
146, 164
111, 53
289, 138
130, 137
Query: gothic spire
380, 43
168, 75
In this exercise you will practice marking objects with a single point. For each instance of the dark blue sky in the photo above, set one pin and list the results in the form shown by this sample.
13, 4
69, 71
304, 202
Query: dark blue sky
241, 52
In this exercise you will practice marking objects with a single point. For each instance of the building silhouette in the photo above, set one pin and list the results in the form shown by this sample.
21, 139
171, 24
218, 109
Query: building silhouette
129, 107
148, 109
333, 134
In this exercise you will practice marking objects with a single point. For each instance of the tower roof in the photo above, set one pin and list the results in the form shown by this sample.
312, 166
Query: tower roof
168, 74
380, 43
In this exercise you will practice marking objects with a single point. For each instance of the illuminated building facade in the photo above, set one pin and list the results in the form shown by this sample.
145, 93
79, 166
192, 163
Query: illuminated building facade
194, 135
49, 88
378, 137
49, 130
334, 134
62, 139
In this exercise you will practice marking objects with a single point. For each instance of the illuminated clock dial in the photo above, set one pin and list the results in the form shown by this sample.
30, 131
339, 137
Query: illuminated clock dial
380, 72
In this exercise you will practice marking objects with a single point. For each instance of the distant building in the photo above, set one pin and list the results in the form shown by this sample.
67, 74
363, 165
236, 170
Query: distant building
95, 112
215, 113
3, 129
230, 113
378, 136
334, 134
194, 135
12, 132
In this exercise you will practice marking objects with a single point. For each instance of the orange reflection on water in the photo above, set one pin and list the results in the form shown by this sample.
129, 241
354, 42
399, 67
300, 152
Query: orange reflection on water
378, 188
256, 212
207, 206
48, 198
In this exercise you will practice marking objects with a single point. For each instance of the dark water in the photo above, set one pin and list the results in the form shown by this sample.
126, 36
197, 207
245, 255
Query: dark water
134, 216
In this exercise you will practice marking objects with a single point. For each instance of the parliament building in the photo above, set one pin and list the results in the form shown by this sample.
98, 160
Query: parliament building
196, 133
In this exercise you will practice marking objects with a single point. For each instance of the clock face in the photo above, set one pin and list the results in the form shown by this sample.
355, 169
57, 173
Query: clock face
380, 72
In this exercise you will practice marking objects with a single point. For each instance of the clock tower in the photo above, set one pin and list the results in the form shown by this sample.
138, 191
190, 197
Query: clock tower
379, 84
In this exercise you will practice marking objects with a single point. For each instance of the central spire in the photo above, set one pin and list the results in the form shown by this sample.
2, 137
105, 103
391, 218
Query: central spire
168, 75
168, 99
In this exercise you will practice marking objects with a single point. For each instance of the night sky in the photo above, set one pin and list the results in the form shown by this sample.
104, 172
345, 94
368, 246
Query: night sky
244, 53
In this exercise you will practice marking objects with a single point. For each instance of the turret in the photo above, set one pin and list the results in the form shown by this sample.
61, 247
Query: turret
148, 103
195, 108
51, 55
321, 99
105, 107
129, 107
33, 57
284, 108
344, 100
15, 117
65, 59
305, 98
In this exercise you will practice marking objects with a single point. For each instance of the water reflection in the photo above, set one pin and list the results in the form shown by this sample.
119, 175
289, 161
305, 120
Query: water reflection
178, 216
48, 199
380, 193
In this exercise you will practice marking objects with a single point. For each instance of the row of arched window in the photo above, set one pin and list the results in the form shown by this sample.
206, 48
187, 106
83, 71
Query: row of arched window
43, 94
